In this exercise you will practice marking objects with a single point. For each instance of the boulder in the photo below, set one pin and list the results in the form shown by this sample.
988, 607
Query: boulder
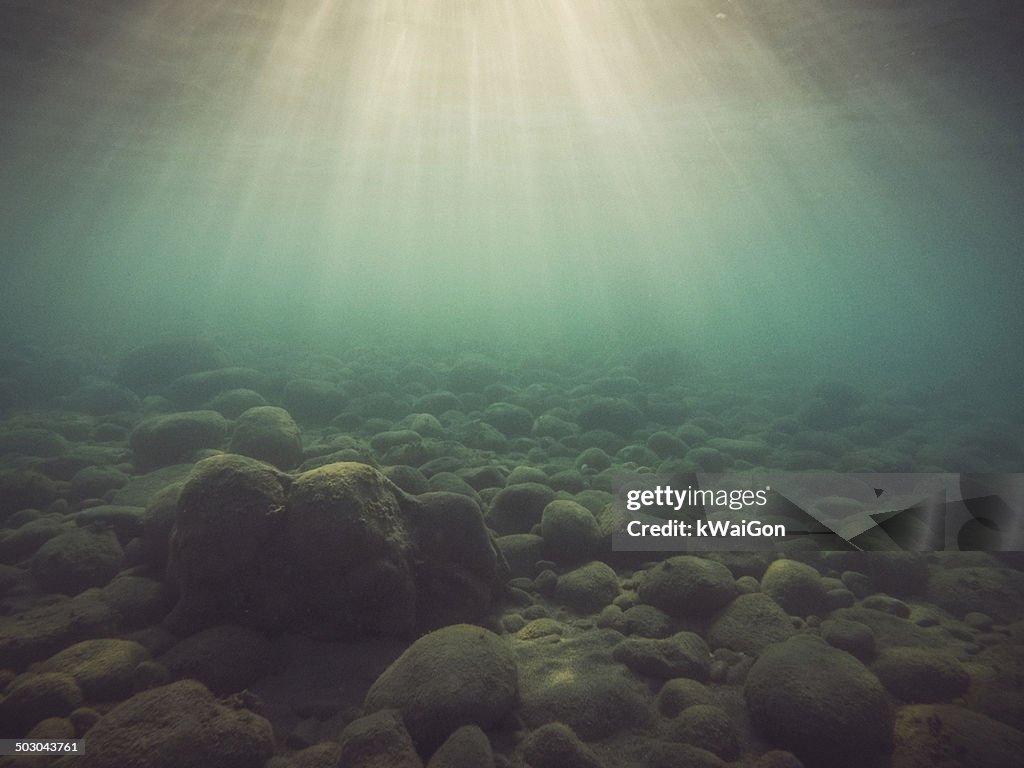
77, 559
103, 668
749, 624
921, 675
588, 588
175, 437
378, 740
947, 736
268, 433
226, 659
684, 654
336, 552
467, 747
555, 745
687, 585
517, 508
459, 675
180, 725
33, 697
350, 551
820, 703
225, 551
795, 586
570, 532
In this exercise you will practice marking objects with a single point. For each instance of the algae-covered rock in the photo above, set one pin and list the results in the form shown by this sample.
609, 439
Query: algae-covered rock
180, 725
820, 703
467, 747
35, 696
708, 727
749, 624
43, 630
795, 586
580, 685
680, 693
269, 434
378, 740
947, 736
456, 676
684, 654
555, 745
23, 489
336, 552
313, 400
570, 531
921, 675
517, 508
226, 659
349, 549
175, 437
999, 592
457, 568
77, 559
103, 668
227, 533
688, 586
851, 636
589, 587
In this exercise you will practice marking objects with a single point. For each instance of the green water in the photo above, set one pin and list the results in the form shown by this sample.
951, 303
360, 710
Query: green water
829, 187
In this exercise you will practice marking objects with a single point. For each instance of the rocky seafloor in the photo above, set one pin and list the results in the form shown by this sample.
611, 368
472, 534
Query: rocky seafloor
269, 557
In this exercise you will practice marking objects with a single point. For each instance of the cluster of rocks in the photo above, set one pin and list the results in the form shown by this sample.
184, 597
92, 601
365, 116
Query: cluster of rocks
169, 527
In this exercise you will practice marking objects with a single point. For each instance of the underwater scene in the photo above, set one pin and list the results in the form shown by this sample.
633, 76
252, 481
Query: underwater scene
511, 383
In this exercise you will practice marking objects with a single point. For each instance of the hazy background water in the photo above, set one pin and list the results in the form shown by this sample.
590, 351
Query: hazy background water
836, 186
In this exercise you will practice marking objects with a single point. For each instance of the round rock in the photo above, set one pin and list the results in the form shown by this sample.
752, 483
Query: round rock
176, 725
796, 586
687, 585
77, 559
820, 703
459, 675
588, 588
570, 531
921, 675
268, 433
175, 437
749, 624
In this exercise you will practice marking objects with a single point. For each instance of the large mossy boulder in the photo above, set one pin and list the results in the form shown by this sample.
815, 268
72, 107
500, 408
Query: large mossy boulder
180, 725
820, 703
103, 668
947, 736
687, 585
268, 433
795, 586
338, 551
225, 551
459, 675
749, 624
350, 550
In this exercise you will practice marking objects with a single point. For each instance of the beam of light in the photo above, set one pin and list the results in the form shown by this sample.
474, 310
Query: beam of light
626, 158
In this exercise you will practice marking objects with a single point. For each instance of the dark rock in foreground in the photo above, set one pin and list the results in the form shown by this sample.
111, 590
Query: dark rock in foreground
338, 551
820, 703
